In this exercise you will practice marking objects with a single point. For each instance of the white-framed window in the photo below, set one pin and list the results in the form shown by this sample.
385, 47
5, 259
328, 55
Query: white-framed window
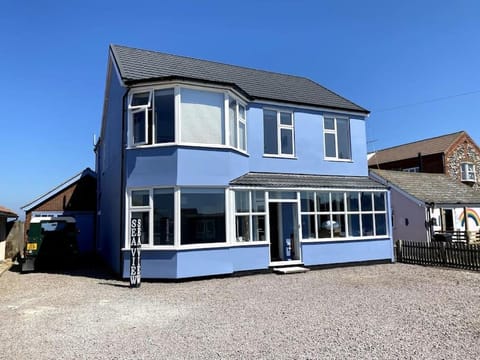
336, 134
155, 208
343, 214
414, 169
278, 133
152, 117
237, 124
187, 115
250, 214
468, 172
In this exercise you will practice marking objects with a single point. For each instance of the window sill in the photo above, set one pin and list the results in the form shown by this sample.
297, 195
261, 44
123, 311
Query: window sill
291, 157
338, 160
349, 239
188, 145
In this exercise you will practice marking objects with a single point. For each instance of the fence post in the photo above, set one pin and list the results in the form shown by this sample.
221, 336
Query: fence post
399, 250
444, 253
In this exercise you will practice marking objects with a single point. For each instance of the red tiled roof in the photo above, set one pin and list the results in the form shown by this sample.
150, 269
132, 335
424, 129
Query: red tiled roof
430, 146
7, 212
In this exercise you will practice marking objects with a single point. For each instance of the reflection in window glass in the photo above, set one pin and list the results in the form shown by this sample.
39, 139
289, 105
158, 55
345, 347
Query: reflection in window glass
380, 224
242, 201
164, 116
366, 200
323, 201
307, 199
139, 127
329, 124
324, 226
343, 138
287, 141
352, 201
163, 217
286, 118
379, 201
258, 227
282, 194
202, 216
330, 146
243, 228
308, 226
232, 116
258, 201
354, 225
140, 99
338, 225
337, 201
270, 141
367, 224
140, 198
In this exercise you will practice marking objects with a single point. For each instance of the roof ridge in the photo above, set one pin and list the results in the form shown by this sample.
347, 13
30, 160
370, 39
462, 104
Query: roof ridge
421, 140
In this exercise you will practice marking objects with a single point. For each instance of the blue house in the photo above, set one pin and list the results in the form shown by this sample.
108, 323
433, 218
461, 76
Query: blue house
231, 169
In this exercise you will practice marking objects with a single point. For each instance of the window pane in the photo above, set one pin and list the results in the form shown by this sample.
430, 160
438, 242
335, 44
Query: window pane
338, 203
202, 117
308, 226
163, 217
241, 111
287, 141
354, 225
282, 195
367, 224
140, 198
258, 201
379, 201
329, 124
203, 216
307, 199
338, 225
330, 147
232, 116
164, 116
381, 224
270, 141
343, 136
242, 228
140, 99
366, 201
286, 118
323, 201
142, 217
352, 201
242, 136
139, 127
258, 227
324, 226
241, 201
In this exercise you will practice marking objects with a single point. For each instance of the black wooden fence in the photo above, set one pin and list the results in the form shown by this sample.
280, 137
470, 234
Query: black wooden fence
452, 254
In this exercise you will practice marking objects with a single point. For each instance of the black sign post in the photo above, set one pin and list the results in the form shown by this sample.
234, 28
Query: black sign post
135, 246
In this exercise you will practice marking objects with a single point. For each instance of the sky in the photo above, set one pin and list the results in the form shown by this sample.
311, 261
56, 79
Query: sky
414, 64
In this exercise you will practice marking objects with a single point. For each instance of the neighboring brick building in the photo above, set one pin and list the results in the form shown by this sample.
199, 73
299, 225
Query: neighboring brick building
75, 197
455, 155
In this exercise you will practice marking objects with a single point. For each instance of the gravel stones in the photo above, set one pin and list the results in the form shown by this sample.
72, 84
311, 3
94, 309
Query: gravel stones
374, 312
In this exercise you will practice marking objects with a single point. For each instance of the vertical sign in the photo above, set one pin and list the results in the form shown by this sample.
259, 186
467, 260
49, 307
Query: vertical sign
135, 246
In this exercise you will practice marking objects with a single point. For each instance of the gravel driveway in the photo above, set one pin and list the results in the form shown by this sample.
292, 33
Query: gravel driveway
370, 312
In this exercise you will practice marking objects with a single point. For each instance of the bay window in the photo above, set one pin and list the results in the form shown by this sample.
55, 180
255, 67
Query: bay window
343, 214
336, 133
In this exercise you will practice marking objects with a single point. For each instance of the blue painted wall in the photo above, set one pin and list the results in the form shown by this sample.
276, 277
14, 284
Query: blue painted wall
110, 193
321, 253
308, 147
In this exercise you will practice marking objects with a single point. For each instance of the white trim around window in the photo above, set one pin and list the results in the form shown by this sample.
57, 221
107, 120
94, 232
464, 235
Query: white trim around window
467, 170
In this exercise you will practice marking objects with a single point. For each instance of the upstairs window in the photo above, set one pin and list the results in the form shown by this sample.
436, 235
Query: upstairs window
468, 172
237, 124
152, 115
414, 169
336, 133
278, 133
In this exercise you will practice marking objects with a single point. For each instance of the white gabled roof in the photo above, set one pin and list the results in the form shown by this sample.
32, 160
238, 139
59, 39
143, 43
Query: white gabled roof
59, 188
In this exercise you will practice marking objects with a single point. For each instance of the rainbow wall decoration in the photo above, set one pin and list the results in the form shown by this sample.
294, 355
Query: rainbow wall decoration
471, 215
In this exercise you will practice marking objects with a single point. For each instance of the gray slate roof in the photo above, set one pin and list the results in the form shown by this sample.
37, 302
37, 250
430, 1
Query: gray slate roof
276, 180
137, 65
437, 188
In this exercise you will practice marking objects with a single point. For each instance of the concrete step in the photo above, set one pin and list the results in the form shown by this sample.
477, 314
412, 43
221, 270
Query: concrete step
290, 270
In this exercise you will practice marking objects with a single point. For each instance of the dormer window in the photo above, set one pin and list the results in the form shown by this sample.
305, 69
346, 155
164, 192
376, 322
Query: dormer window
468, 172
